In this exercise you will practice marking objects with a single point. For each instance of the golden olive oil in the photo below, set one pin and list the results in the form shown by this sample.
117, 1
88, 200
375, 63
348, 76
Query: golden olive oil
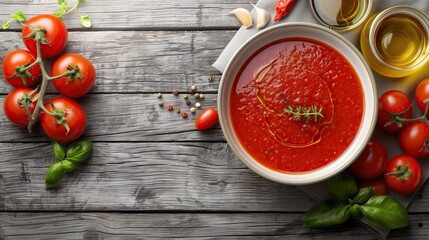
340, 14
395, 41
401, 40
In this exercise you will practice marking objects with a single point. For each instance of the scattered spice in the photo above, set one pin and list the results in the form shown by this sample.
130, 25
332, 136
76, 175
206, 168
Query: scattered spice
197, 105
184, 115
159, 95
175, 92
188, 102
197, 95
190, 91
193, 110
201, 96
193, 88
170, 107
211, 78
177, 110
161, 104
185, 96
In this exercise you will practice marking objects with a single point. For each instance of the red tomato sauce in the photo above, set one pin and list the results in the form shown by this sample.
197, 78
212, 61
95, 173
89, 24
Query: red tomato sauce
296, 72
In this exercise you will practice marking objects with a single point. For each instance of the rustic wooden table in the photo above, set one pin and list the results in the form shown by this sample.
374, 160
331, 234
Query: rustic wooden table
152, 175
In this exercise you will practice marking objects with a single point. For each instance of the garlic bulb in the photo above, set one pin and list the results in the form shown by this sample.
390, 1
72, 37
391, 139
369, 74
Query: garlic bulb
243, 15
262, 17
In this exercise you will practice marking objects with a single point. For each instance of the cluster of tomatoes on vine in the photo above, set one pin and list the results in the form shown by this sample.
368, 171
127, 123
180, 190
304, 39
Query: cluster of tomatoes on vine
403, 173
62, 119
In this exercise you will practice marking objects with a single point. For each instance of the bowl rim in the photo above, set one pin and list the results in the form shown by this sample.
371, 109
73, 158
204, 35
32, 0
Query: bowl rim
288, 178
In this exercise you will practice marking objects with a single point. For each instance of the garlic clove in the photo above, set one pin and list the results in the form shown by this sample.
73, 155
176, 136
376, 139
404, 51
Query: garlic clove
262, 17
243, 15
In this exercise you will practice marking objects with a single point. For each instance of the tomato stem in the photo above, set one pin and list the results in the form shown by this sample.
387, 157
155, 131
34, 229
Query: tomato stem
401, 172
44, 85
396, 118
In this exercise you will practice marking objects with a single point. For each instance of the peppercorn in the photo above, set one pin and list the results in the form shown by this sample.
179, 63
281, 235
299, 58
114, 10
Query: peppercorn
161, 104
177, 110
170, 107
211, 78
188, 102
185, 96
197, 105
197, 95
184, 115
159, 95
175, 92
193, 110
190, 91
201, 96
193, 88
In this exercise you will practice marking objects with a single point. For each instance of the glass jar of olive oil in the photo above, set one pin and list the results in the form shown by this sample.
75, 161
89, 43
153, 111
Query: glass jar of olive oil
395, 41
341, 15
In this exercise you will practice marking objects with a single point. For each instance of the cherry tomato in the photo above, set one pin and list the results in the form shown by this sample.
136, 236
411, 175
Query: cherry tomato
403, 174
378, 186
414, 139
79, 85
56, 35
16, 58
371, 163
207, 119
394, 102
74, 115
422, 93
13, 110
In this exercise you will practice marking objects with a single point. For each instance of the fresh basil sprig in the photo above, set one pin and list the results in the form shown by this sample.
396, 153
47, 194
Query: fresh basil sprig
381, 211
77, 152
64, 8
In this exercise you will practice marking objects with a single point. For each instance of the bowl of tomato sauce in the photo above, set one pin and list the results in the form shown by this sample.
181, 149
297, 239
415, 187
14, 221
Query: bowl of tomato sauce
297, 103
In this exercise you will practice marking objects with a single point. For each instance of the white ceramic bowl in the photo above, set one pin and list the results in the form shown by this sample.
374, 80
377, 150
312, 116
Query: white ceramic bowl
336, 41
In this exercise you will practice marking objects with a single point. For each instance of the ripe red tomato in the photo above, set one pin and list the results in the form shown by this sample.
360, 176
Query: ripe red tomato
80, 85
207, 119
13, 110
378, 186
73, 114
394, 102
403, 174
20, 57
371, 163
56, 34
422, 93
414, 139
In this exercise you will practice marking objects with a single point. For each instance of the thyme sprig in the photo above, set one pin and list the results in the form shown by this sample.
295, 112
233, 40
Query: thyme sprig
307, 113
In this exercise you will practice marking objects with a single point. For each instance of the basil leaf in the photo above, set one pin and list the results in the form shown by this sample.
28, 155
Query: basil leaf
385, 212
363, 195
355, 211
58, 150
68, 166
79, 151
85, 21
326, 214
54, 175
342, 186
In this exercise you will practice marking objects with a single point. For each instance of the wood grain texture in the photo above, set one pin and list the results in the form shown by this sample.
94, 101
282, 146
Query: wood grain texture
173, 226
117, 14
141, 61
128, 117
103, 226
142, 176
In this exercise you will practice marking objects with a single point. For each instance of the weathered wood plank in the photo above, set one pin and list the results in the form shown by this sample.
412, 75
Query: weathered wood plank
142, 176
117, 14
187, 226
173, 226
128, 117
136, 62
